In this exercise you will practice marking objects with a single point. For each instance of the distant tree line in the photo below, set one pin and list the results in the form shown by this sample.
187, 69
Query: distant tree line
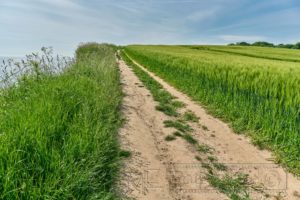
267, 44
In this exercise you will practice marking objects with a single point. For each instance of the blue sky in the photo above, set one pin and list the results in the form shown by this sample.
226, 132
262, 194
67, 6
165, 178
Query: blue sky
26, 25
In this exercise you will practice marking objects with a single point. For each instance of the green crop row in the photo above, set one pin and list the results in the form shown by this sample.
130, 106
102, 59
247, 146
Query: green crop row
292, 55
259, 96
58, 133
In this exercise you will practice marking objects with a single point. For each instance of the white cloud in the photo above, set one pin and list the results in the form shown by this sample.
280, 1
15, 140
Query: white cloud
239, 38
202, 15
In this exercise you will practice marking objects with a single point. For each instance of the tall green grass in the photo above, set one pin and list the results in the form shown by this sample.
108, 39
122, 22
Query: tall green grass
260, 96
58, 133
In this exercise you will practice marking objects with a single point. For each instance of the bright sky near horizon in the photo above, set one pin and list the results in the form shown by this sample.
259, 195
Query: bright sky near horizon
27, 25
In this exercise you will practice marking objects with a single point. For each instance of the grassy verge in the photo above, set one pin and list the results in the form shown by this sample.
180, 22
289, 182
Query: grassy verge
58, 133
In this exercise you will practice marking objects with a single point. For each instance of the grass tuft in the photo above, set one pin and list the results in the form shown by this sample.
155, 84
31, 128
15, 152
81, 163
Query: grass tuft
234, 186
198, 158
190, 116
178, 104
125, 154
178, 134
170, 138
204, 128
220, 166
182, 127
190, 139
203, 148
212, 158
167, 109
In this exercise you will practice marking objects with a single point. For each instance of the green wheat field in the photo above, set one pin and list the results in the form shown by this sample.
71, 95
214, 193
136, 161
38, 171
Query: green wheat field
256, 89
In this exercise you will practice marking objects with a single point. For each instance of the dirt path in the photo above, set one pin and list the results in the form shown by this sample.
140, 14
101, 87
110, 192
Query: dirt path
162, 170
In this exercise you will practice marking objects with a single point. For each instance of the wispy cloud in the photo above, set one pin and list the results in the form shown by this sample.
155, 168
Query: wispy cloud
203, 15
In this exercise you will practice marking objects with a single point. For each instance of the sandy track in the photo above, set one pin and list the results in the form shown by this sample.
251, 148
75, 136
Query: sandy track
168, 170
152, 171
